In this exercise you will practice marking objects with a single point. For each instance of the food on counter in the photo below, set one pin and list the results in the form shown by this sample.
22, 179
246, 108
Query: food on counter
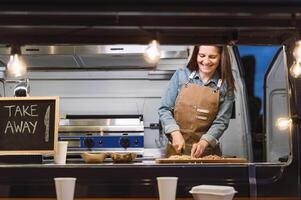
204, 159
93, 157
213, 157
186, 157
180, 157
123, 158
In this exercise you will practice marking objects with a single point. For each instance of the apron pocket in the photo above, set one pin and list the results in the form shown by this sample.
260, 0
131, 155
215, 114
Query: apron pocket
185, 116
204, 111
202, 117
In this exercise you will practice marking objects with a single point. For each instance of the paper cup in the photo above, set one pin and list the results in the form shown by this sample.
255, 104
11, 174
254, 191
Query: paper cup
167, 187
64, 187
61, 153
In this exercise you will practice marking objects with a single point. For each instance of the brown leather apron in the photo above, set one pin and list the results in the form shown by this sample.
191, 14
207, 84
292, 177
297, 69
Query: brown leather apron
195, 109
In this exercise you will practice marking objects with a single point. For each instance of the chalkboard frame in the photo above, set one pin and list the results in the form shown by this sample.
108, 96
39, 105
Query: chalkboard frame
55, 101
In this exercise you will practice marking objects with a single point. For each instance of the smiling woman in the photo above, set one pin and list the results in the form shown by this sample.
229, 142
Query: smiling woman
208, 60
197, 105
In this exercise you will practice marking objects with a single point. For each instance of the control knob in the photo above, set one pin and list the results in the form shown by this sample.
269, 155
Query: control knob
124, 142
89, 143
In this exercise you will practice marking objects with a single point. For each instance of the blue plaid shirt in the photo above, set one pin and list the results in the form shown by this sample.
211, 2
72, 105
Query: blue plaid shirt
221, 122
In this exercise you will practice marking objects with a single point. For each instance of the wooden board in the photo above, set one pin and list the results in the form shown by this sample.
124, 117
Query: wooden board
201, 160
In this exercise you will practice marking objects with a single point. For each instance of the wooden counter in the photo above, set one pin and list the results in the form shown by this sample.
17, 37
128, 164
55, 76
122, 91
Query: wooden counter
138, 180
241, 198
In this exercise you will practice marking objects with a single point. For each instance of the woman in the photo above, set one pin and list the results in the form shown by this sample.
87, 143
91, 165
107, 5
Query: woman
197, 105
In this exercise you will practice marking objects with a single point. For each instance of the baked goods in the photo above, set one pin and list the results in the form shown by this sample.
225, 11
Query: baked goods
180, 157
93, 157
205, 159
212, 157
123, 158
186, 157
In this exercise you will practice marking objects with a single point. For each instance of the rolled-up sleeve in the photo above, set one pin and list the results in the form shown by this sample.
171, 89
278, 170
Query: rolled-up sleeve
221, 122
167, 105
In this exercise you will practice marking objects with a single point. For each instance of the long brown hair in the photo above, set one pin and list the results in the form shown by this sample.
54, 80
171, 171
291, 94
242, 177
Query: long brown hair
224, 68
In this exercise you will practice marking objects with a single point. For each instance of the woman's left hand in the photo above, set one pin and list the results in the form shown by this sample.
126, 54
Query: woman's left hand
198, 148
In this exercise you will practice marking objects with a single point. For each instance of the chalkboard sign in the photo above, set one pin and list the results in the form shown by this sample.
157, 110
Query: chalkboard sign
28, 125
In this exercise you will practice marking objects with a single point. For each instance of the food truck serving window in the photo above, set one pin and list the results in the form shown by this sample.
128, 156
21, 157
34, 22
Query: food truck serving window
261, 95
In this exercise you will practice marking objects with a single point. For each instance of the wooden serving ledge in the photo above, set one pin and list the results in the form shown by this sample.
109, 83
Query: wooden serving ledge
238, 198
202, 160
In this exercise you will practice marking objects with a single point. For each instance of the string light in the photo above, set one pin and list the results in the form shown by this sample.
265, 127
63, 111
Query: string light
152, 53
295, 69
283, 123
16, 67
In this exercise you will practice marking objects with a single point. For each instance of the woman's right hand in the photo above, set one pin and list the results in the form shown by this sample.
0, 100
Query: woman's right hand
178, 141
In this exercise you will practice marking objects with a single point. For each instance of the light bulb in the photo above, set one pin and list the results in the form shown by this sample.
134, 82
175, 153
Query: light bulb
15, 66
283, 123
152, 53
295, 70
297, 50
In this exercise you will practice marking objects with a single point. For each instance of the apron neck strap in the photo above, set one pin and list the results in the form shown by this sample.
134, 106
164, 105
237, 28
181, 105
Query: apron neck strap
219, 83
191, 76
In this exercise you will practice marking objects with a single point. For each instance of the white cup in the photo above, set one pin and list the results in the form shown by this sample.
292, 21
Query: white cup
64, 187
167, 187
61, 153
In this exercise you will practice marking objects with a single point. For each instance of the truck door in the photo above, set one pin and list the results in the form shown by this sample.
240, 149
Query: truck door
276, 106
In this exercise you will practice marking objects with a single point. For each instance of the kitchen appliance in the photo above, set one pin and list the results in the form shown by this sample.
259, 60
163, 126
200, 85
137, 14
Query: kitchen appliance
103, 133
117, 56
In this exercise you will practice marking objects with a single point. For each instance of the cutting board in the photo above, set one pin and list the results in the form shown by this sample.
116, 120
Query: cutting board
201, 160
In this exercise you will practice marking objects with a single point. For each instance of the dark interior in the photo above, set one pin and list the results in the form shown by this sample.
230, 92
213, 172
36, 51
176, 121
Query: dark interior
133, 21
